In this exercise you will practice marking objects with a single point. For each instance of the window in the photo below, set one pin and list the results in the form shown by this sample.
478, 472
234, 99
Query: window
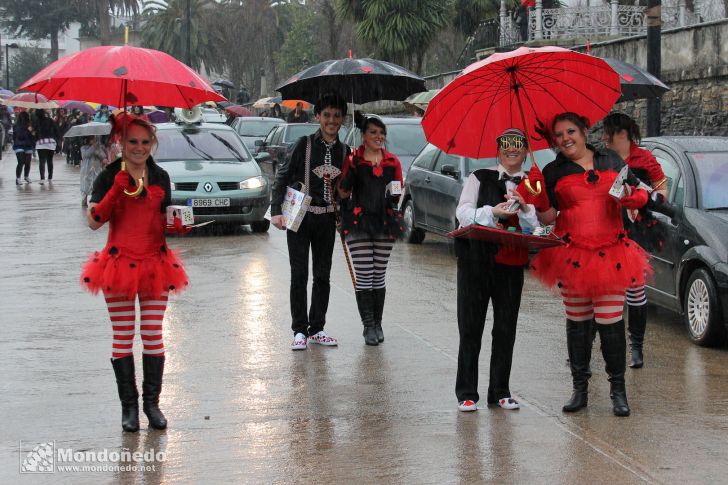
672, 172
426, 157
269, 138
447, 159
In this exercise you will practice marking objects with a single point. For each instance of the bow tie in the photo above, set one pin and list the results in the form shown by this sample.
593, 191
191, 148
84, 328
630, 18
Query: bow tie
516, 179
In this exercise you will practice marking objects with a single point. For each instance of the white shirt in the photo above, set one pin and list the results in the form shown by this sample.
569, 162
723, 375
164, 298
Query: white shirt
468, 211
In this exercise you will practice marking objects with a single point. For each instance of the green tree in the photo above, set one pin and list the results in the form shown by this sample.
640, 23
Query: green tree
166, 30
297, 51
103, 8
25, 63
41, 19
397, 30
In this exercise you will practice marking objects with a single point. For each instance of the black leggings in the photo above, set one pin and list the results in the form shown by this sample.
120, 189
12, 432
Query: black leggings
45, 157
23, 161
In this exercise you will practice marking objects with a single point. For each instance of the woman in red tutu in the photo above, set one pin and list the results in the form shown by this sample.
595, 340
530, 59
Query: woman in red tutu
136, 263
599, 262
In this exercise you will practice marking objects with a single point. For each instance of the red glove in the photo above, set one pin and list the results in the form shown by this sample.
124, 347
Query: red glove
177, 227
541, 201
637, 199
101, 212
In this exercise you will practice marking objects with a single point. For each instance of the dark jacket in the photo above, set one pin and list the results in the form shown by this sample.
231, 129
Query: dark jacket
23, 139
292, 174
47, 128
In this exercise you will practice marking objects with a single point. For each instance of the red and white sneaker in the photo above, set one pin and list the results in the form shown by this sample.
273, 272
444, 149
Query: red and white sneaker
508, 403
322, 338
467, 406
299, 342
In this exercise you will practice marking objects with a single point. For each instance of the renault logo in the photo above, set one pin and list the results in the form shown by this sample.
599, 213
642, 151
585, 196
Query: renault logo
207, 187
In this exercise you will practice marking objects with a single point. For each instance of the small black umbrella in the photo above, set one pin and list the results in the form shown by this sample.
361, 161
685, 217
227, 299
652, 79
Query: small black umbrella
356, 80
224, 82
635, 82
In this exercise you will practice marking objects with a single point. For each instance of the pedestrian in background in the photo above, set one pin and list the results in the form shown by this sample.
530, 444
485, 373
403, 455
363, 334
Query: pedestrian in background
622, 135
92, 155
23, 146
276, 112
598, 262
298, 115
370, 220
488, 272
46, 142
7, 123
136, 263
102, 115
318, 228
63, 125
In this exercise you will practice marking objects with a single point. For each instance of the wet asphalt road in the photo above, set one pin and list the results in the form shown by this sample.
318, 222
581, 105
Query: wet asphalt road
243, 408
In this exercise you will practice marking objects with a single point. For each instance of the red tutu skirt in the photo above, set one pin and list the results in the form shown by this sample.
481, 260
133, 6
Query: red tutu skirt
591, 270
113, 271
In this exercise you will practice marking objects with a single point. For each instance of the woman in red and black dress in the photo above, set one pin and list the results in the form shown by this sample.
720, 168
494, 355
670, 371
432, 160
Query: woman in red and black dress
622, 135
599, 262
136, 263
370, 221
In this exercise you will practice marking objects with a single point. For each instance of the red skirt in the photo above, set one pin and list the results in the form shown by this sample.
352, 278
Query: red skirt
589, 270
112, 271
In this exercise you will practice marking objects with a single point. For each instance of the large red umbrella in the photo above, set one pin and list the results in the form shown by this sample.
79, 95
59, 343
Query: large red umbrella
525, 88
123, 76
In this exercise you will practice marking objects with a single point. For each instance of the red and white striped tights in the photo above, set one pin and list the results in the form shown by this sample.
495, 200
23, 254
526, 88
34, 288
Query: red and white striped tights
605, 309
123, 316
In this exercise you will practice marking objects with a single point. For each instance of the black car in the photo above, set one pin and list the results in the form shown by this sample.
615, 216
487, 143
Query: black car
405, 138
691, 261
433, 187
279, 144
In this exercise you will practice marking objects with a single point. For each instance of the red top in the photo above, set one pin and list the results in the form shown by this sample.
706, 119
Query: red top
642, 159
388, 160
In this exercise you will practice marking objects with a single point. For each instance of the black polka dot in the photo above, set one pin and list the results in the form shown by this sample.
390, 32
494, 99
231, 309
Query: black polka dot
97, 218
171, 287
576, 264
602, 254
175, 265
114, 250
86, 279
619, 266
132, 265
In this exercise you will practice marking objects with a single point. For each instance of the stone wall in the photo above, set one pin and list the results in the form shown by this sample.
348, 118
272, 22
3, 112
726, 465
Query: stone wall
694, 66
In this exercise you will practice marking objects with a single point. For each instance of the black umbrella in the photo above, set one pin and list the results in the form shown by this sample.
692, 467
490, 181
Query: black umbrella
356, 80
224, 82
636, 83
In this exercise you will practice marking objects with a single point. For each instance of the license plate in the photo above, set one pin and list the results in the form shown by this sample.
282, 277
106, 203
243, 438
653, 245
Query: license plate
221, 202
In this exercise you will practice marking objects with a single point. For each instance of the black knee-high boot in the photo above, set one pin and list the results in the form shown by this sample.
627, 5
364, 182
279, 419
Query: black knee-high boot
365, 303
128, 394
614, 351
151, 388
636, 325
379, 295
579, 345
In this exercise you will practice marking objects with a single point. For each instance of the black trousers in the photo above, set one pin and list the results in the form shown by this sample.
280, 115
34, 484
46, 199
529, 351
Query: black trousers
45, 157
477, 286
23, 164
317, 232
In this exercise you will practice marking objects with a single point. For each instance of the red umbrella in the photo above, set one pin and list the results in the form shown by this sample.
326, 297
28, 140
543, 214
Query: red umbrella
123, 76
238, 110
525, 88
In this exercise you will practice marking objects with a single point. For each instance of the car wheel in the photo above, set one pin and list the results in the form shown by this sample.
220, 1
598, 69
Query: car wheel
411, 234
702, 310
260, 226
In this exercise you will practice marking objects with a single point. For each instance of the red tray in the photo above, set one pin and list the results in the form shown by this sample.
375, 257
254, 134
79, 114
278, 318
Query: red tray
511, 238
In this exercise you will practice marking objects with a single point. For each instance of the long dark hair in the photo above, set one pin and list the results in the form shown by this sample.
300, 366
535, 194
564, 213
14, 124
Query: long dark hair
22, 119
362, 122
616, 122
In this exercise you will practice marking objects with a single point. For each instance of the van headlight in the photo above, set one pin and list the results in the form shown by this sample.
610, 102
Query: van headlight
173, 186
252, 183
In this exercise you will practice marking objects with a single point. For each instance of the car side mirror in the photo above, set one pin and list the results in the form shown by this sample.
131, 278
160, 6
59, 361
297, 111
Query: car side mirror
450, 171
259, 143
262, 157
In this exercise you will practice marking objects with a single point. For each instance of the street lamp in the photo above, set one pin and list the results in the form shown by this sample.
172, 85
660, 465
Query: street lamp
7, 63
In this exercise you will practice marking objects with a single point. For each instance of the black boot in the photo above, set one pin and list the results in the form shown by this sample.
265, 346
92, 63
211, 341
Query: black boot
379, 294
614, 351
128, 394
151, 388
636, 325
364, 301
579, 344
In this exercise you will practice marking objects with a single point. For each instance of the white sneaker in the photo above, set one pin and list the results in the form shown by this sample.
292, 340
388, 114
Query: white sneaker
27, 180
41, 181
299, 342
467, 406
508, 403
18, 181
322, 338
